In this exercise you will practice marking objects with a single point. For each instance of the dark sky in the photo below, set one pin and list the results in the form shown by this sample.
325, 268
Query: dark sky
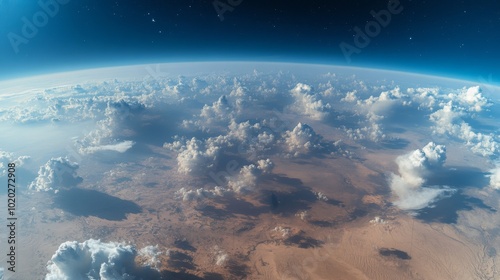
445, 37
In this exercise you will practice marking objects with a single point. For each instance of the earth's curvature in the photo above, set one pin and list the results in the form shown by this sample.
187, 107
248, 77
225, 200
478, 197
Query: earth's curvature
246, 170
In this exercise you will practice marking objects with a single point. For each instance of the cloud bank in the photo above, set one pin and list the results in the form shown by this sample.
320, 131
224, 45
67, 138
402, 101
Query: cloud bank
414, 168
94, 259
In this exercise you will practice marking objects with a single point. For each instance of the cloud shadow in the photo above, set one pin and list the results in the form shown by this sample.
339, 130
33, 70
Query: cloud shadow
83, 202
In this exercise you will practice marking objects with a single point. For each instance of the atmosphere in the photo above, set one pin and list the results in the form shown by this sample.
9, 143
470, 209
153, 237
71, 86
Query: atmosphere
249, 140
447, 38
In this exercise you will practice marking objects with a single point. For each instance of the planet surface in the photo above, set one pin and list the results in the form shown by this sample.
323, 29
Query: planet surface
249, 170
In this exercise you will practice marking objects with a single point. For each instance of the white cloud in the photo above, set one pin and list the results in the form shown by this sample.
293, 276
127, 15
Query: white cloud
284, 231
448, 120
220, 257
116, 116
265, 165
301, 140
425, 98
445, 119
93, 259
321, 196
245, 180
57, 173
250, 140
378, 220
121, 147
495, 178
199, 194
307, 104
374, 109
243, 131
150, 255
373, 130
195, 156
472, 98
219, 113
6, 158
381, 104
350, 97
414, 168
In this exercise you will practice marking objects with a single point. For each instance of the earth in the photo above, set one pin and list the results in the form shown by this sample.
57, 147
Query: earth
247, 170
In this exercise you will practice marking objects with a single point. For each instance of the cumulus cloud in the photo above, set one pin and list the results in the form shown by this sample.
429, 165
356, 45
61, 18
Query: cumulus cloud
449, 120
380, 105
220, 257
414, 168
245, 179
6, 158
265, 165
373, 130
219, 113
321, 196
199, 194
93, 259
195, 156
495, 178
57, 173
150, 256
252, 141
472, 98
425, 98
307, 104
117, 114
301, 140
374, 109
350, 97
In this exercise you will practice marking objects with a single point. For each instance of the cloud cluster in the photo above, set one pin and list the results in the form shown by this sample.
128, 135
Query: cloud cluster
57, 173
200, 156
307, 104
374, 109
301, 140
449, 120
414, 168
94, 259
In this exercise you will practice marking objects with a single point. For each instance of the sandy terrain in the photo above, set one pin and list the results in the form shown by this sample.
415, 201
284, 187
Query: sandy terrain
301, 238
